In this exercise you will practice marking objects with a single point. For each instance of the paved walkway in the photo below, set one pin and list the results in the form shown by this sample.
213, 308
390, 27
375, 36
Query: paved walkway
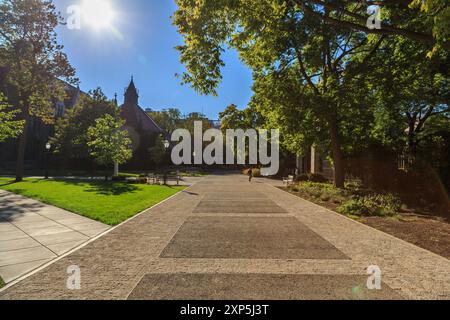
225, 238
32, 234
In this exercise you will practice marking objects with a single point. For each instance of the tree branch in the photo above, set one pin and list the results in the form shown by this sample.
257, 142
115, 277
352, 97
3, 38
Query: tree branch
385, 30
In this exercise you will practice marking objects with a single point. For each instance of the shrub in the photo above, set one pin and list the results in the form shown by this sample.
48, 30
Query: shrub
119, 178
135, 180
318, 178
351, 207
302, 178
323, 191
372, 205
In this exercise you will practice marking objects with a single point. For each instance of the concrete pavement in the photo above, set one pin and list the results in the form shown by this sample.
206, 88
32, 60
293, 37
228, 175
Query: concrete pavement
226, 238
33, 233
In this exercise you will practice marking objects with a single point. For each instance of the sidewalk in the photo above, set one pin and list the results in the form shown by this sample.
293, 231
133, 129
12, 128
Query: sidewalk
33, 233
226, 238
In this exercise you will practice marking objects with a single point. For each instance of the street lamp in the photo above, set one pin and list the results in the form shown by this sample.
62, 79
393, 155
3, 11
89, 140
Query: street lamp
166, 144
48, 146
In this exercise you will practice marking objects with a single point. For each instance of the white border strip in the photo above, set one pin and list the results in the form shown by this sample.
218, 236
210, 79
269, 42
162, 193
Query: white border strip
44, 266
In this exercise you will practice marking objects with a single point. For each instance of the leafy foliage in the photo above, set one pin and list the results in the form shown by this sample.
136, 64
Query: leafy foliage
352, 200
108, 142
169, 119
71, 131
233, 118
34, 62
9, 126
158, 151
372, 205
320, 75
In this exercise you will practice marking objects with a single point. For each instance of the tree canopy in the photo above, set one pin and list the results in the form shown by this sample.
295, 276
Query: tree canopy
108, 142
71, 131
320, 74
34, 62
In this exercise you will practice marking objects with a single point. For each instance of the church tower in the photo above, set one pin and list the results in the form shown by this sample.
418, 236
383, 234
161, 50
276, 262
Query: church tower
131, 94
136, 118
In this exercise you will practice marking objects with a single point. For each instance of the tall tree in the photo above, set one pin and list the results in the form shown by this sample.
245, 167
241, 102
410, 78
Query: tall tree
34, 61
408, 88
109, 142
279, 40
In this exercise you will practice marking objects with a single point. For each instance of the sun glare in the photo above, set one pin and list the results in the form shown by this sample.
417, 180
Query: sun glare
97, 13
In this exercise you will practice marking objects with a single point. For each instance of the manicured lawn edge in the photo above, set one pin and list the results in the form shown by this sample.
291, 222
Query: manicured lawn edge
107, 202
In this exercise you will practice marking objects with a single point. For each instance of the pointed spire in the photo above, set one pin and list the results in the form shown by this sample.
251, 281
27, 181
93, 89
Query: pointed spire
131, 94
115, 99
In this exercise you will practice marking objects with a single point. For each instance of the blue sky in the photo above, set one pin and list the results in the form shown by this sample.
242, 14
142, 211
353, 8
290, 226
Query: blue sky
143, 46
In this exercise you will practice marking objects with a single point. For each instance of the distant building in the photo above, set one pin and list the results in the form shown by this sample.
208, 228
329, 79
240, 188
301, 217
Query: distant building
39, 133
143, 130
137, 120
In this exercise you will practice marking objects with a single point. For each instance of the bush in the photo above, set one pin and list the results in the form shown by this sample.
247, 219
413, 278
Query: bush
372, 205
351, 207
318, 178
302, 178
119, 178
135, 180
323, 191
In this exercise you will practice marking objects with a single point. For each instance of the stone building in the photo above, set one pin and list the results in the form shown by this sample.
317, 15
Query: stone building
39, 134
138, 122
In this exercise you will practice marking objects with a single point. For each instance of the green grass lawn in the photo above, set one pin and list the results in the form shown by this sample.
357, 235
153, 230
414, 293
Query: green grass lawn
2, 283
107, 202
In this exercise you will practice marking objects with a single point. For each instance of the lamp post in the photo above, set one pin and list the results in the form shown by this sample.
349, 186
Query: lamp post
166, 147
48, 147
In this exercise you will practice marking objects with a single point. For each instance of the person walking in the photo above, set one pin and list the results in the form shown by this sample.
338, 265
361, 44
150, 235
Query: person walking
250, 175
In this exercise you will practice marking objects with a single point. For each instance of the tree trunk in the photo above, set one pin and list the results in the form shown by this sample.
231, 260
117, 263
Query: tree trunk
339, 171
116, 169
21, 151
412, 139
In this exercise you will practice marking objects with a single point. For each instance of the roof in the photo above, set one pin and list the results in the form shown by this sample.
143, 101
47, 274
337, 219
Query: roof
137, 118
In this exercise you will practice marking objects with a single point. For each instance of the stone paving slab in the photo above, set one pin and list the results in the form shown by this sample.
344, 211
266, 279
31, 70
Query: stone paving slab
232, 206
10, 273
32, 233
62, 248
8, 258
248, 238
257, 287
25, 243
64, 237
12, 235
213, 196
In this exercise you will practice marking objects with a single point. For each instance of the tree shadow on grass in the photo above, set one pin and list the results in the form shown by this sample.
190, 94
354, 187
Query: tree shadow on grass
7, 183
103, 187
